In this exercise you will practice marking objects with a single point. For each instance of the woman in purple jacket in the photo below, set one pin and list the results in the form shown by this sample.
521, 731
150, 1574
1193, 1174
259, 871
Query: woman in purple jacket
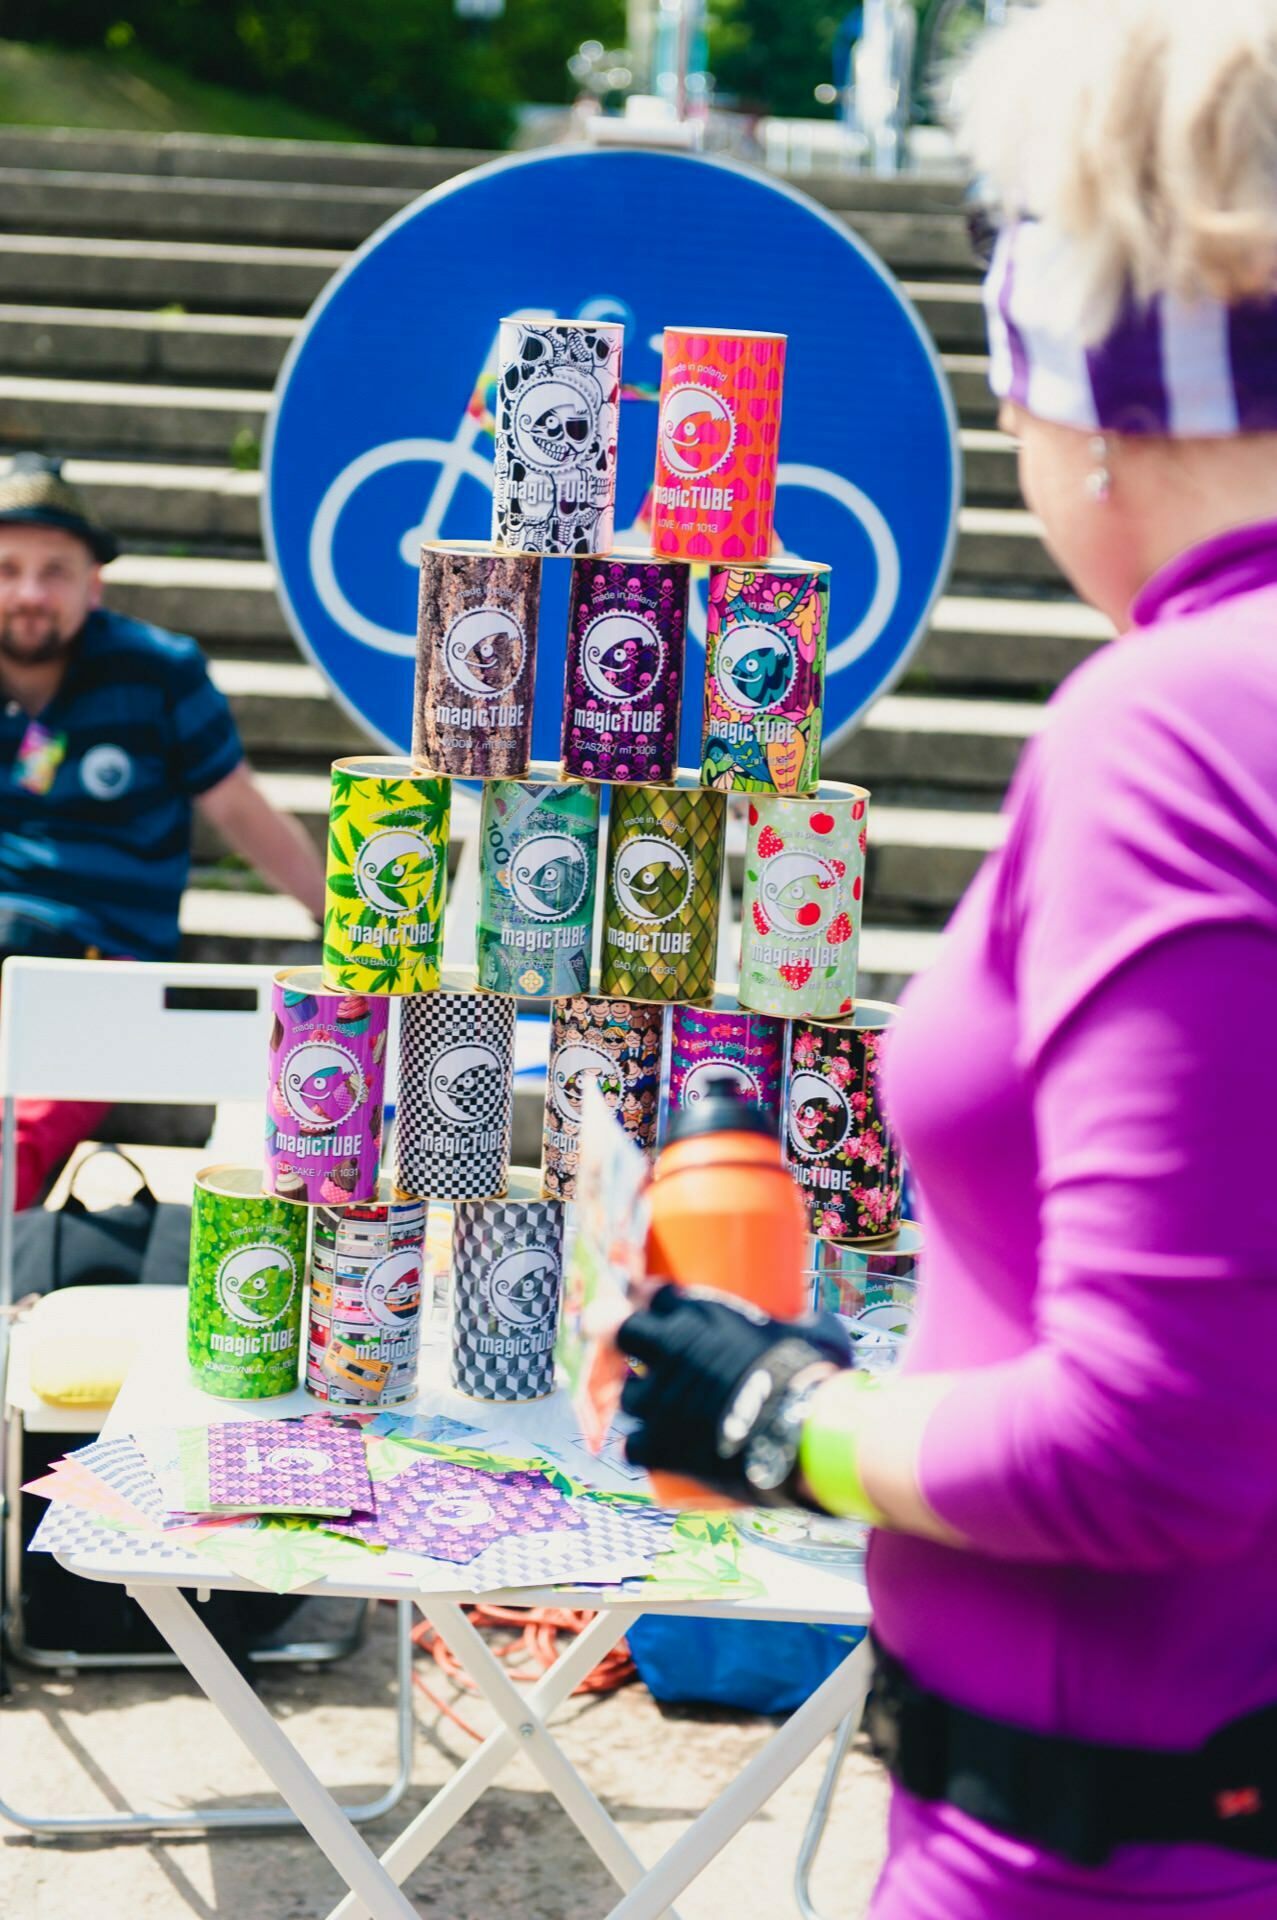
1075, 1575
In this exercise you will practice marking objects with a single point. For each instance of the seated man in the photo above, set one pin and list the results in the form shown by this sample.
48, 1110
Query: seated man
109, 730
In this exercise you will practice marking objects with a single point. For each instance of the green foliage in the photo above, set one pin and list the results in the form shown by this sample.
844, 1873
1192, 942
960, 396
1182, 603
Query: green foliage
771, 55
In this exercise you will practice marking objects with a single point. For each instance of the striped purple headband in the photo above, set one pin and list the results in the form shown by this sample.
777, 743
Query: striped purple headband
1184, 369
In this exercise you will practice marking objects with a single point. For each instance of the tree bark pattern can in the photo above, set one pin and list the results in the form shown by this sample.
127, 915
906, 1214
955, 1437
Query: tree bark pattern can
660, 904
325, 1091
363, 1327
801, 906
476, 660
557, 409
538, 865
725, 1041
717, 444
455, 1113
839, 1143
620, 1042
387, 876
765, 677
627, 630
507, 1278
247, 1269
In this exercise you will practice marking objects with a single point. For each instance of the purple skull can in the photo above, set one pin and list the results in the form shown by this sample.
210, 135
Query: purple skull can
627, 629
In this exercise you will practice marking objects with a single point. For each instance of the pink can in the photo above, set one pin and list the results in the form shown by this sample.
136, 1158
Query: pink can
717, 444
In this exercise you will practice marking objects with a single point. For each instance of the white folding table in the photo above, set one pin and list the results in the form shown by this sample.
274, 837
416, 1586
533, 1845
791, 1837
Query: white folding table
158, 1392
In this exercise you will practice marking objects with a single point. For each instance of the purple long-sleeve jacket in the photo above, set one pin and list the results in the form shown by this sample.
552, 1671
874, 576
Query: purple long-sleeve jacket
1086, 1083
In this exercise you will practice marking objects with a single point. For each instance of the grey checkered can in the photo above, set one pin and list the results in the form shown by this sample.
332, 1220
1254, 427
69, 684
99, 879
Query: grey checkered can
456, 1094
507, 1275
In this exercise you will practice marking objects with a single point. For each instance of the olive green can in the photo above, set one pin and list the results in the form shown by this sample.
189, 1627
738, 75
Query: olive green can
248, 1264
660, 901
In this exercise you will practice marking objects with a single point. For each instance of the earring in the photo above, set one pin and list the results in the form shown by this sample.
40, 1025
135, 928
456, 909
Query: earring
1099, 481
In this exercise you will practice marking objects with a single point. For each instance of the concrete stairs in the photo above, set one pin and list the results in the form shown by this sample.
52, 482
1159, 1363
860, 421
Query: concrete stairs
149, 290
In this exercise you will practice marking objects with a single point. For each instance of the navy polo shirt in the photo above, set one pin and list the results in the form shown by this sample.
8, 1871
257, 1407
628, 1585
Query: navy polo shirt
104, 854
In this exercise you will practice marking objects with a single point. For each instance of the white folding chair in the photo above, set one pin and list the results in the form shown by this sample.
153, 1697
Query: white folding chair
141, 1032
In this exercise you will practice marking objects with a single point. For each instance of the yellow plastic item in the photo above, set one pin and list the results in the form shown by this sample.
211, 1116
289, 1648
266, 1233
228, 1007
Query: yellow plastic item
80, 1370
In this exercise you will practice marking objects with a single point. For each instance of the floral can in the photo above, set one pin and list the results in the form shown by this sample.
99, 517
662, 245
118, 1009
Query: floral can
839, 1144
765, 677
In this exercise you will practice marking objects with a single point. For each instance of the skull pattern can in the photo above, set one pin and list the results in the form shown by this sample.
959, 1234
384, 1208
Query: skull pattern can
620, 1041
507, 1277
455, 1113
839, 1143
716, 446
247, 1270
873, 1289
363, 1326
724, 1041
387, 875
557, 407
765, 677
476, 660
801, 904
325, 1089
660, 903
627, 627
538, 865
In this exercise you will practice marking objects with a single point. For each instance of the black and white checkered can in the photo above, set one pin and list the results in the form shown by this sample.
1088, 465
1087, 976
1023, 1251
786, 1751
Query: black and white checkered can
455, 1113
507, 1276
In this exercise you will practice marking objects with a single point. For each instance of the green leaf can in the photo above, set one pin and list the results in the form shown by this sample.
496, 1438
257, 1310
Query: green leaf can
248, 1265
387, 876
660, 903
538, 865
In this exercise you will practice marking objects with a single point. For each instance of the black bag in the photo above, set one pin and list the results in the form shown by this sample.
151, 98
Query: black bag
143, 1240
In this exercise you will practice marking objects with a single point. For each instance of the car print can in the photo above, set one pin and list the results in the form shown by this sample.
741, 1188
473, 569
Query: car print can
507, 1278
538, 865
620, 1042
802, 902
477, 615
714, 496
627, 629
455, 1112
839, 1145
387, 875
557, 408
725, 1041
765, 677
325, 1089
873, 1289
660, 903
247, 1271
363, 1325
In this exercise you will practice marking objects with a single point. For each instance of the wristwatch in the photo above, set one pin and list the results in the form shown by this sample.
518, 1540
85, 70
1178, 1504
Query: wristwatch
764, 1423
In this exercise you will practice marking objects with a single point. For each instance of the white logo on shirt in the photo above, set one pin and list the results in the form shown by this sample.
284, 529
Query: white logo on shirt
106, 772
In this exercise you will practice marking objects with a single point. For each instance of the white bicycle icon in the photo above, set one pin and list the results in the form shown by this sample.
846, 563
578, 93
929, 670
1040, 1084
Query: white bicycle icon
461, 459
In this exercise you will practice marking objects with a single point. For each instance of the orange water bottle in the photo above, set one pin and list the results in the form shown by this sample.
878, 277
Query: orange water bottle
725, 1214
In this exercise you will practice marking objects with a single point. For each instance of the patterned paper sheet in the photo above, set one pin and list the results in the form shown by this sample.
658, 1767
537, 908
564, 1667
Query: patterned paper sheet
286, 1466
450, 1512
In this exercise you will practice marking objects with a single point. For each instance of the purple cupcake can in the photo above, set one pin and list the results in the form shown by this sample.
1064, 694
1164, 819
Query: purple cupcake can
324, 1092
627, 629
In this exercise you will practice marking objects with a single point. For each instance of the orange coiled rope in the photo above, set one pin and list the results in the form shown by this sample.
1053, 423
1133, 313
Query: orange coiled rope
533, 1647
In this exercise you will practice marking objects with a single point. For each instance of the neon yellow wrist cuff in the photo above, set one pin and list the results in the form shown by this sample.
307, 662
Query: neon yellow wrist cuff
827, 1454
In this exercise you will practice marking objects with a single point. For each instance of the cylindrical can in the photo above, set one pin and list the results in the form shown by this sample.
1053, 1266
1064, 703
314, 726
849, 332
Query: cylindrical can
627, 629
248, 1265
507, 1276
801, 906
455, 1112
538, 862
660, 903
363, 1326
621, 1043
873, 1289
557, 407
724, 1041
387, 876
765, 677
716, 445
476, 660
841, 1149
325, 1090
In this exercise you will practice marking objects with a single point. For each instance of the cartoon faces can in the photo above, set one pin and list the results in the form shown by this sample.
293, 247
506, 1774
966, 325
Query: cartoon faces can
467, 1084
819, 1116
697, 1083
392, 1289
395, 871
653, 878
697, 431
321, 1084
483, 651
799, 893
255, 1285
570, 1068
556, 419
549, 875
523, 1287
621, 656
754, 666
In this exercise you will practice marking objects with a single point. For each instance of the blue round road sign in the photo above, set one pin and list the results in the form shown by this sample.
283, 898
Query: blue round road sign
380, 436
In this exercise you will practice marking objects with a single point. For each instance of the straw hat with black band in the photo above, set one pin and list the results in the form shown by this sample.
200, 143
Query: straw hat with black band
33, 493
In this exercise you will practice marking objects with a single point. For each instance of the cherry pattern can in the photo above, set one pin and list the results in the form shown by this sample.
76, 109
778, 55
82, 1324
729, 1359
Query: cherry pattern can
801, 903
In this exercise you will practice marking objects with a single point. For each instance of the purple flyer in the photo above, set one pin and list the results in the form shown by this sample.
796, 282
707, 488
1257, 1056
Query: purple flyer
450, 1512
287, 1466
627, 626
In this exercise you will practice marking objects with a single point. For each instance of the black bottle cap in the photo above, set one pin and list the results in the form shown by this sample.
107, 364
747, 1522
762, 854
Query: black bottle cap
723, 1108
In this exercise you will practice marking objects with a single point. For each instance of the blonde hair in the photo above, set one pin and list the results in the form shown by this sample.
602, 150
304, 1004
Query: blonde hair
1142, 131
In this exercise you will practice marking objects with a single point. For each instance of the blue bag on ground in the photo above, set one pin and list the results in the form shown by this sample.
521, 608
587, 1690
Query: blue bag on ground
760, 1666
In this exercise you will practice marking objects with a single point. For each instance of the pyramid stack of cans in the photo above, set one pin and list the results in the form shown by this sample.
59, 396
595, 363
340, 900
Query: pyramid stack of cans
615, 840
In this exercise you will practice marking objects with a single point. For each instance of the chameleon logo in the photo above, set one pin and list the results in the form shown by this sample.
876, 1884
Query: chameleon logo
255, 1285
754, 666
819, 1116
394, 871
523, 1286
392, 1289
621, 656
653, 878
800, 893
483, 651
549, 875
698, 431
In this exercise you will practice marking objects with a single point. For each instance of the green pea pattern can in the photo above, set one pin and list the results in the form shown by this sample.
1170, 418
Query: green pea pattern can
248, 1263
660, 903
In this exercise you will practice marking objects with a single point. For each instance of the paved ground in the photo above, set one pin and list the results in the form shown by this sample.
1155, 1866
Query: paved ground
110, 1741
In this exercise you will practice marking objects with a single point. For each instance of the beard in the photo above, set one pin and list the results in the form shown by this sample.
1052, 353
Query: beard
32, 640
